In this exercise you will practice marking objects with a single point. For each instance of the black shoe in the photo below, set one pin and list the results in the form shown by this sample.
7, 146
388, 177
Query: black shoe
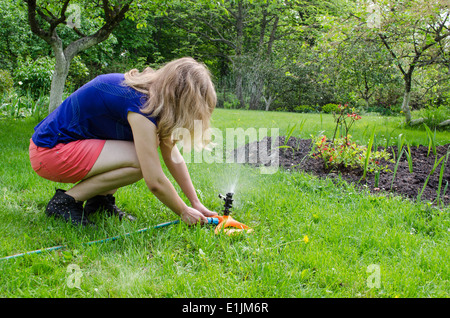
66, 207
106, 203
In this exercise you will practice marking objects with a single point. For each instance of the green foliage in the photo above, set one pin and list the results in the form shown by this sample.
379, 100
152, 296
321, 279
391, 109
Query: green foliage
78, 73
35, 75
433, 116
13, 105
330, 108
6, 81
345, 153
305, 109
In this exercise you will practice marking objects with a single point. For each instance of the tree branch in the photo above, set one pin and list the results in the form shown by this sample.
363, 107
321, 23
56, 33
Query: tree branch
203, 34
102, 34
388, 47
34, 25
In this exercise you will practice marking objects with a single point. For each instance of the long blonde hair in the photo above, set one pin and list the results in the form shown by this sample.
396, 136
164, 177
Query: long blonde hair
179, 93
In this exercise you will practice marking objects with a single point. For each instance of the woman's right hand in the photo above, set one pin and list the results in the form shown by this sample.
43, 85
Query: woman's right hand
191, 216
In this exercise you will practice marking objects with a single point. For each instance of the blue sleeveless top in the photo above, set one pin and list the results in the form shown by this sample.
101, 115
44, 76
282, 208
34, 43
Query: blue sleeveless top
97, 110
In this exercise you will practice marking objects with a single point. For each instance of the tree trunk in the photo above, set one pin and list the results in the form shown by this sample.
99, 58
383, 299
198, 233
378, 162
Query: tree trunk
57, 87
239, 90
407, 97
62, 64
63, 57
268, 102
405, 106
256, 93
240, 34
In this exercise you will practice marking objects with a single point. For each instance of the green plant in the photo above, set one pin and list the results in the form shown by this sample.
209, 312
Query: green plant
10, 105
329, 108
396, 168
441, 176
35, 75
436, 164
409, 158
431, 139
368, 155
344, 153
6, 81
433, 116
290, 131
14, 106
304, 109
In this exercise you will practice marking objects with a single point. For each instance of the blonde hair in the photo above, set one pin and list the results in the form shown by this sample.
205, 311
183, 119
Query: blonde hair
179, 93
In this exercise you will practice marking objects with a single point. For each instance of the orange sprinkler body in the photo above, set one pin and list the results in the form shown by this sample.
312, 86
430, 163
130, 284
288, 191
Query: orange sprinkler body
230, 225
225, 222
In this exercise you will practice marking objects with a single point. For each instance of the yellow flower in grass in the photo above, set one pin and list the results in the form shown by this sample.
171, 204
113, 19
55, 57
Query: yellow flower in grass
305, 239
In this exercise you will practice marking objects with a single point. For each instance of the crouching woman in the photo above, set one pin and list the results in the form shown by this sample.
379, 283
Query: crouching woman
106, 135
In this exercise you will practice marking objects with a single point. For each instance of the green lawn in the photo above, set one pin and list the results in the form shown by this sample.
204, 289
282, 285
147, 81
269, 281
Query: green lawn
311, 238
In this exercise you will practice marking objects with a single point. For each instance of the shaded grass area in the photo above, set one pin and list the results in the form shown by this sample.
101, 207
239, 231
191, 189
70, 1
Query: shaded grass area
311, 238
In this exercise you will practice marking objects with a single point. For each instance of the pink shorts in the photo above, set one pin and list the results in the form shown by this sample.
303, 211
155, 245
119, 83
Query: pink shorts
67, 163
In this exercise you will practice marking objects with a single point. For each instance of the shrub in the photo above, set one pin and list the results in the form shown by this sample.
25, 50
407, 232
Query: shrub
78, 74
435, 115
35, 76
330, 108
304, 109
281, 109
6, 81
344, 153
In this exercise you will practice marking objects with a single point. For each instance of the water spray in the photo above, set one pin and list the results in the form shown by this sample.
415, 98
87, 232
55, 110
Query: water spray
225, 223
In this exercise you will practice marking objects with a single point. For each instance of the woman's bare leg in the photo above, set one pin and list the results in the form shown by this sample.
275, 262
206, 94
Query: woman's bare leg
116, 166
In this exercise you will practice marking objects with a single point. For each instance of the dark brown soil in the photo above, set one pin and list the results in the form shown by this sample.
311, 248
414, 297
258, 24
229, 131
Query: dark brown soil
405, 183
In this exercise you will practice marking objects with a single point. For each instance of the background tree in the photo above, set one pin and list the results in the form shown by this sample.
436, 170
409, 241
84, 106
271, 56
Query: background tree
245, 34
53, 14
357, 62
416, 34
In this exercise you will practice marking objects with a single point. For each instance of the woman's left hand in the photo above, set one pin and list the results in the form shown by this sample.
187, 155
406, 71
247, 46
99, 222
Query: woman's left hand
202, 209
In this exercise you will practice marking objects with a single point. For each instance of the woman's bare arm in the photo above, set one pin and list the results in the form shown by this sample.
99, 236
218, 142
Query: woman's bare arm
178, 169
146, 143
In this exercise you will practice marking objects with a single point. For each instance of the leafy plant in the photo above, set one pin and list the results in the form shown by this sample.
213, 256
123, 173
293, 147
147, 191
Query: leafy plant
6, 82
329, 108
436, 164
35, 75
344, 153
409, 158
396, 167
431, 140
368, 153
441, 176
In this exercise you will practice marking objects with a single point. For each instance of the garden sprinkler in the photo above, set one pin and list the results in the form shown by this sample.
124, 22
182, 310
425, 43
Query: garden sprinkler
225, 222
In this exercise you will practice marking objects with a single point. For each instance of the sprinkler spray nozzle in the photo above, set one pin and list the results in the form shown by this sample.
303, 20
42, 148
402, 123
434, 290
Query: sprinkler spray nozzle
228, 202
226, 222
